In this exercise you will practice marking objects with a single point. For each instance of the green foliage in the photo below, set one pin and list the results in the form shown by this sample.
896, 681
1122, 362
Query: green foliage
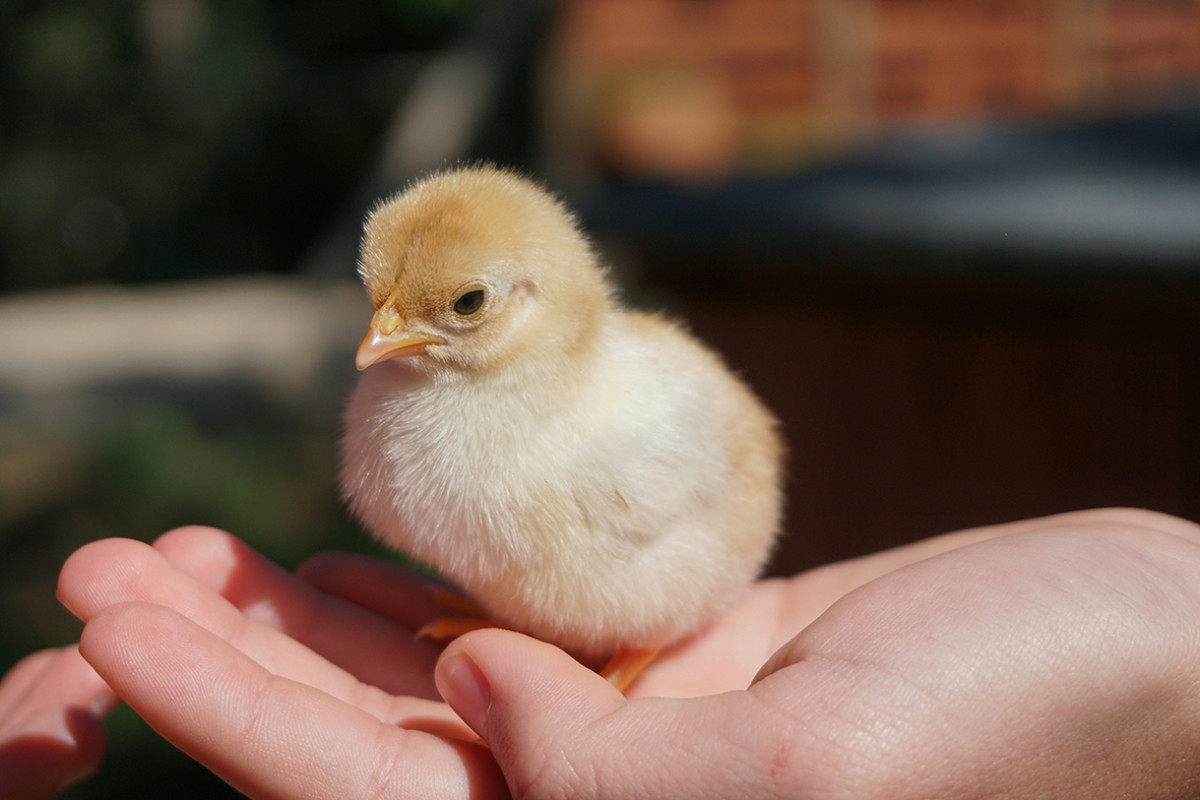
138, 467
182, 138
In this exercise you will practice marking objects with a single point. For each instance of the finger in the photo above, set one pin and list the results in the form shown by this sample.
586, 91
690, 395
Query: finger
558, 729
371, 647
210, 555
21, 678
54, 747
269, 736
390, 590
51, 735
52, 678
114, 571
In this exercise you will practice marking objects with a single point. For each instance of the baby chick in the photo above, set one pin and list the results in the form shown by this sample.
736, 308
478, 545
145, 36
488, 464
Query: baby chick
589, 475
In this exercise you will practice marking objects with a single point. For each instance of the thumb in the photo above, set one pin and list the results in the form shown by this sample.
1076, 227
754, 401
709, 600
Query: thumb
557, 729
513, 690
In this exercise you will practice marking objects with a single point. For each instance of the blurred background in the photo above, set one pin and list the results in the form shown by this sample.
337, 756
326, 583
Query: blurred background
955, 244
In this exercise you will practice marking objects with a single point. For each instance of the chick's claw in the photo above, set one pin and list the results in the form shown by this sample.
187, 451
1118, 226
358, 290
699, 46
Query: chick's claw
626, 664
471, 617
445, 629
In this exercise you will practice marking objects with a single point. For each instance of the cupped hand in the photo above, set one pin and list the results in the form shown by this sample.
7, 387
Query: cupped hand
1059, 661
279, 688
1055, 661
313, 684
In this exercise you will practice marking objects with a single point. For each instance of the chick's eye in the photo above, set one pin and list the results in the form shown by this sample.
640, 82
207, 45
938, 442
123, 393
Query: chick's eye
469, 302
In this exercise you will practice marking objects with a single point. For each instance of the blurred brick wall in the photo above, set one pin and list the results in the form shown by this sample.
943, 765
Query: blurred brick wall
768, 81
1149, 43
934, 58
763, 48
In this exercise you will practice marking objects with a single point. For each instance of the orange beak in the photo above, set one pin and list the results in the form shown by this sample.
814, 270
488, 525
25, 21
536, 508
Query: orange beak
386, 339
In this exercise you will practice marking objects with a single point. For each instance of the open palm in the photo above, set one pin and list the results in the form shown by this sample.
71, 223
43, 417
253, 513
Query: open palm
313, 685
320, 675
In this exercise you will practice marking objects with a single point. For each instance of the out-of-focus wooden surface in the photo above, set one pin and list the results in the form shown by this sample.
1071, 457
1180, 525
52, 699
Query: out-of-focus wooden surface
911, 411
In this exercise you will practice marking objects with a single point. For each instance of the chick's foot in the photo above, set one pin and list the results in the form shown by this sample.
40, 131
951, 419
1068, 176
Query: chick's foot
626, 664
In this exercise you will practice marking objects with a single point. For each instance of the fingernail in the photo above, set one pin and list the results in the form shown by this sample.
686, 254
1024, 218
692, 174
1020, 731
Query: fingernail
464, 686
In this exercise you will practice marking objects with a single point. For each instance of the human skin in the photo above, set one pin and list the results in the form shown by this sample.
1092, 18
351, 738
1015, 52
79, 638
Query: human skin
51, 730
1048, 658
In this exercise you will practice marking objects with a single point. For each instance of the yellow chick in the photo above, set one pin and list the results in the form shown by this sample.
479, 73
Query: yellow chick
587, 474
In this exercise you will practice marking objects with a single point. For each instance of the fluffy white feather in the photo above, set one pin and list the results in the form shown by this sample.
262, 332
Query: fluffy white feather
590, 475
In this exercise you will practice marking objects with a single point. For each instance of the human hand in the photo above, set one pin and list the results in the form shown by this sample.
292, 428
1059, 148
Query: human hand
51, 734
220, 651
313, 685
944, 677
235, 617
1059, 661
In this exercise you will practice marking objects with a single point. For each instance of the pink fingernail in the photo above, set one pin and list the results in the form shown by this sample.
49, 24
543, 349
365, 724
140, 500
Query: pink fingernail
464, 686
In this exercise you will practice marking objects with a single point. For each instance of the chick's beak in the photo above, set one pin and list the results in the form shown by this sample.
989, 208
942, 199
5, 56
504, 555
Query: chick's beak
387, 338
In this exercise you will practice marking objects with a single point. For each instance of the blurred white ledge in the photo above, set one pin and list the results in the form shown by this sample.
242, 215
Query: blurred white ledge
276, 332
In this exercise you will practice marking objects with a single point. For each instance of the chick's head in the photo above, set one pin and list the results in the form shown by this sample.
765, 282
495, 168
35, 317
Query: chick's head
473, 268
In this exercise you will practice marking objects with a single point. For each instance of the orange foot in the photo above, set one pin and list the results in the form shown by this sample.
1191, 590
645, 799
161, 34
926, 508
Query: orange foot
447, 628
444, 629
626, 664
